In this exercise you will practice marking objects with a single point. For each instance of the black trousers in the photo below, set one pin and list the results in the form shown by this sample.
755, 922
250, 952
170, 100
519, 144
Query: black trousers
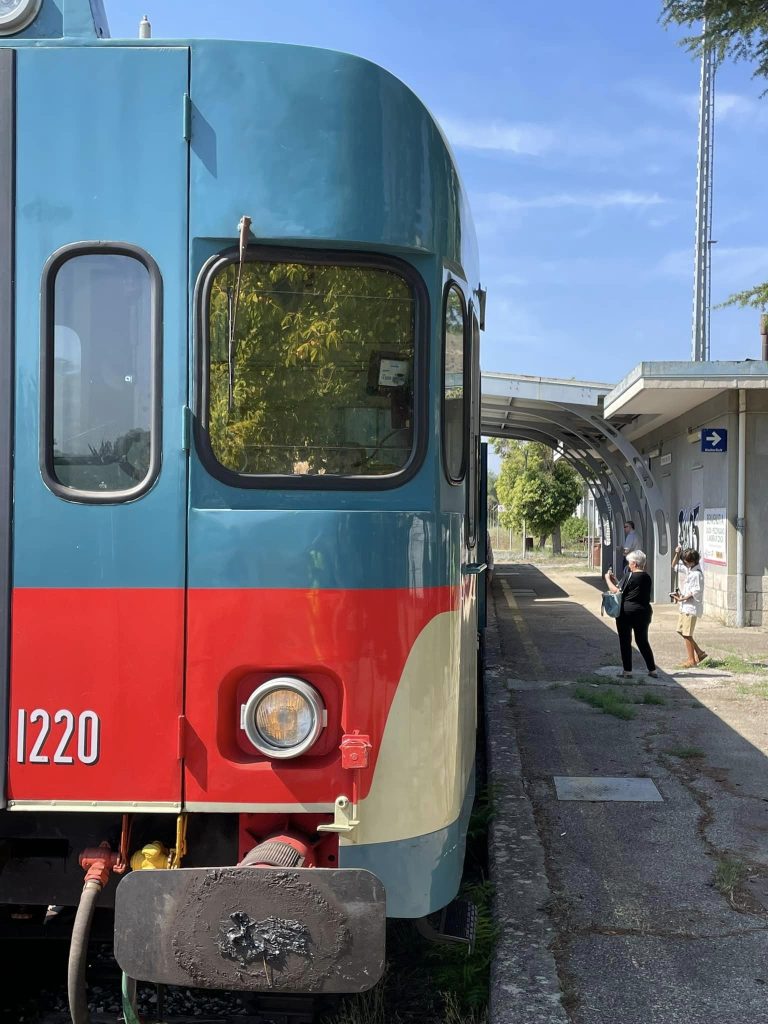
637, 623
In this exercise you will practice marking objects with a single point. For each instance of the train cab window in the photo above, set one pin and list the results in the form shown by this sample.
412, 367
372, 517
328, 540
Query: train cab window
310, 370
100, 373
454, 391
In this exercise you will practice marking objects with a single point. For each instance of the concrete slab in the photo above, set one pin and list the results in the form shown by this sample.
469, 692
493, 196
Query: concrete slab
595, 787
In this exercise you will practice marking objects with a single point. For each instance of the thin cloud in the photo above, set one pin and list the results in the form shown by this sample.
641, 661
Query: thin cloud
624, 198
523, 139
733, 267
729, 106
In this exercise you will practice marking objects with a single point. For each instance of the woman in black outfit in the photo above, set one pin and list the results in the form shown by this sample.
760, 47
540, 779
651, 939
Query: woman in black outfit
636, 612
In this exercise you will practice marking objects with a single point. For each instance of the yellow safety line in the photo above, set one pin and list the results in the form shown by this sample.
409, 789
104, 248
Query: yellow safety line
529, 645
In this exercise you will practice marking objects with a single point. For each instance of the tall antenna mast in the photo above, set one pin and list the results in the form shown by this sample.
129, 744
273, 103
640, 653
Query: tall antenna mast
703, 252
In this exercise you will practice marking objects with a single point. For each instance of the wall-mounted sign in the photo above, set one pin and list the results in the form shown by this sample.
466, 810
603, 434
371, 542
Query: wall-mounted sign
714, 439
716, 536
666, 459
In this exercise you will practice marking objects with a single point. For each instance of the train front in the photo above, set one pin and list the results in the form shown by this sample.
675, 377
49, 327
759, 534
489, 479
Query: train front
244, 624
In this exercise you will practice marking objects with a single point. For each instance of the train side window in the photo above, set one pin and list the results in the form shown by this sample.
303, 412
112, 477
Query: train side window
310, 375
454, 380
101, 373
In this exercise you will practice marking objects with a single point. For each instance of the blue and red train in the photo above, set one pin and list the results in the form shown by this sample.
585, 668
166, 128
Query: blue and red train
240, 533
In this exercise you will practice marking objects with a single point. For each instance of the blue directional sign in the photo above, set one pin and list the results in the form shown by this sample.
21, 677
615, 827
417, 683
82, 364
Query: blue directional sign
714, 439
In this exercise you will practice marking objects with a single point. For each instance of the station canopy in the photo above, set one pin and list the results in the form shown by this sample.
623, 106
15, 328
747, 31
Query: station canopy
568, 415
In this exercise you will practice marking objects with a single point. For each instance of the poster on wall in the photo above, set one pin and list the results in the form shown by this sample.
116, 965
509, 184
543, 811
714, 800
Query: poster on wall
716, 536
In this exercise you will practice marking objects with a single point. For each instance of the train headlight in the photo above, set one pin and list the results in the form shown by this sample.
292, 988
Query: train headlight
283, 717
16, 15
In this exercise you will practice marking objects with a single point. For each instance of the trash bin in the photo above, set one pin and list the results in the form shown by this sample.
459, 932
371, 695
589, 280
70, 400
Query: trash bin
529, 543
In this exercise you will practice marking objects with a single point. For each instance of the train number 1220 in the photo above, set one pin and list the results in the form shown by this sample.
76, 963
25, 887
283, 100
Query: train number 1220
59, 738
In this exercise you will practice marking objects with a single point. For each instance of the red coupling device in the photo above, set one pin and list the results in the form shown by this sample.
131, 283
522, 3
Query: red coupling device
355, 750
99, 861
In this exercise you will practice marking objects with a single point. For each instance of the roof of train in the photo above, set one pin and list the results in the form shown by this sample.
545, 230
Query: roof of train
315, 144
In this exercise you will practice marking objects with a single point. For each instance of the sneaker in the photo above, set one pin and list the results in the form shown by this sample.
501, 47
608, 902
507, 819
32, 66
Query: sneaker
653, 674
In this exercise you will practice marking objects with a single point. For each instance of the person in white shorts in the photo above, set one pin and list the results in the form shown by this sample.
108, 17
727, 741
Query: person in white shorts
690, 602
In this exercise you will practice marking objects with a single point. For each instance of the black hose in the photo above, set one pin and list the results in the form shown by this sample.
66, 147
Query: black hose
78, 953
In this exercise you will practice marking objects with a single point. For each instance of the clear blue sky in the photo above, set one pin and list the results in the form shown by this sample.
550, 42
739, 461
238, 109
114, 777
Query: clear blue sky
575, 129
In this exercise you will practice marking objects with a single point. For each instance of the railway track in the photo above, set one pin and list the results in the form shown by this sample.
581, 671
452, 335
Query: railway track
34, 992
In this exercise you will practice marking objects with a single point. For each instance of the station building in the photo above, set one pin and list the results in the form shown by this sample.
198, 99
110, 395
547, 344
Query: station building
701, 428
680, 448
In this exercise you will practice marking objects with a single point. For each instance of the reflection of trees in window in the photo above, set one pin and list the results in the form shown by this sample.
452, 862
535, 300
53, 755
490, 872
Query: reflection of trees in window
302, 398
453, 386
102, 372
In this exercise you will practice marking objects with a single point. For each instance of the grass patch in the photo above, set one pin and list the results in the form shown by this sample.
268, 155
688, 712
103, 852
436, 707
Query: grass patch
729, 874
738, 665
459, 975
593, 679
610, 702
651, 698
455, 1014
367, 1008
685, 753
757, 690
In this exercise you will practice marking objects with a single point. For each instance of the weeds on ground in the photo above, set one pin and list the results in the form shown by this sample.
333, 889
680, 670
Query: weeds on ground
729, 874
367, 1008
608, 701
463, 974
483, 812
593, 679
736, 664
756, 690
454, 1014
652, 698
685, 753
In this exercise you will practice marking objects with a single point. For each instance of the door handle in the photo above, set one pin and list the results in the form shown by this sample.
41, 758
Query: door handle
474, 568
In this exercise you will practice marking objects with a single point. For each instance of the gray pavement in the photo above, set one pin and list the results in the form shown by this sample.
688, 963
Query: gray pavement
610, 912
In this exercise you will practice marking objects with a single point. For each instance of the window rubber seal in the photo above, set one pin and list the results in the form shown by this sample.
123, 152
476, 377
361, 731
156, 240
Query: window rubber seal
453, 284
305, 482
47, 314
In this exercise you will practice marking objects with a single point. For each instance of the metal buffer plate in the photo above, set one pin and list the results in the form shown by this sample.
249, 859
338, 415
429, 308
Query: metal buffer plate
253, 929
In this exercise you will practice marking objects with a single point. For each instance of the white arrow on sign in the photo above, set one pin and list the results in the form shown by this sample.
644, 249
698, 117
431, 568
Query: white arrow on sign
714, 438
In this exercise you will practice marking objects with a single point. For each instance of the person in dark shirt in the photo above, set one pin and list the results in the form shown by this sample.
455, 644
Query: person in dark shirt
635, 616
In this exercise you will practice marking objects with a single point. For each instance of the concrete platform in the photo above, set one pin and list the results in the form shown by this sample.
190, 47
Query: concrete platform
620, 912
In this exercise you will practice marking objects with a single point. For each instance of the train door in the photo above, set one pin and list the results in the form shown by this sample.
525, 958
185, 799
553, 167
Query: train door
97, 618
7, 70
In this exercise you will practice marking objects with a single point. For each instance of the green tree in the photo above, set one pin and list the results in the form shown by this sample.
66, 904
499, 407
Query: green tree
537, 489
575, 531
735, 29
288, 381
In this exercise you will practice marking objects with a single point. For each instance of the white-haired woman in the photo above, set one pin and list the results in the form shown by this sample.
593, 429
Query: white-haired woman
636, 611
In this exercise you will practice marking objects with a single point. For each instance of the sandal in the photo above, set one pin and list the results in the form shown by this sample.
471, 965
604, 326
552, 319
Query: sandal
703, 657
687, 664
